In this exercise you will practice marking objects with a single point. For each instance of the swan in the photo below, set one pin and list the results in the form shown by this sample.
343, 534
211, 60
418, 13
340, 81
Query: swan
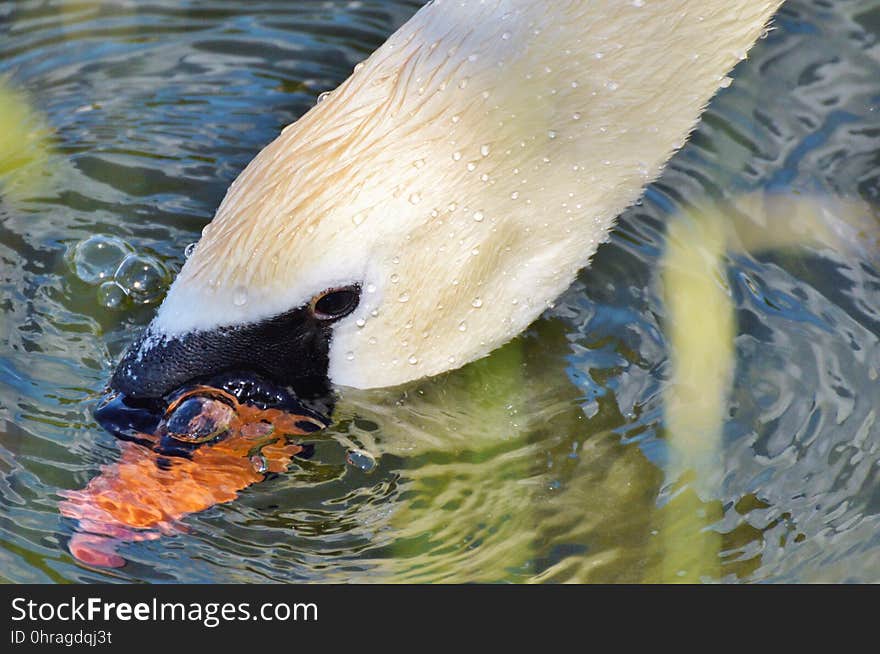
436, 203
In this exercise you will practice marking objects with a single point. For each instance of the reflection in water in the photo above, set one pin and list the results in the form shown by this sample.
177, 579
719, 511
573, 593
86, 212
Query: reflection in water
206, 449
700, 327
25, 143
493, 457
555, 458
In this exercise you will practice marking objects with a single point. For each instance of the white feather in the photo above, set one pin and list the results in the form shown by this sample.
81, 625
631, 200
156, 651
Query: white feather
463, 175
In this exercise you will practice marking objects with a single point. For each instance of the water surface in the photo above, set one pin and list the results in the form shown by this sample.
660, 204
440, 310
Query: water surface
548, 461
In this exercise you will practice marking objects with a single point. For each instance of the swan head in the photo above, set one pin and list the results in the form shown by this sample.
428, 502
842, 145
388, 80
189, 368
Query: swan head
434, 204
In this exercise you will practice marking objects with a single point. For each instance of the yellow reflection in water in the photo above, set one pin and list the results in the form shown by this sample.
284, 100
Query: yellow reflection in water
25, 144
701, 329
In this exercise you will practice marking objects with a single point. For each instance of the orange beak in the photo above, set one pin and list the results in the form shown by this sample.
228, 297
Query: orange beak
146, 492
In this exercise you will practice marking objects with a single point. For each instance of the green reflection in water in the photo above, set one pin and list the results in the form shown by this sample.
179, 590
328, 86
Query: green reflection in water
25, 144
506, 479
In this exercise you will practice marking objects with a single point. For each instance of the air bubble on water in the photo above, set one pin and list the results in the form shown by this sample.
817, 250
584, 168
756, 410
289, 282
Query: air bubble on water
395, 278
142, 277
96, 258
462, 326
415, 198
371, 288
111, 296
360, 322
259, 463
478, 216
484, 150
349, 356
477, 303
360, 459
551, 134
403, 297
189, 249
413, 360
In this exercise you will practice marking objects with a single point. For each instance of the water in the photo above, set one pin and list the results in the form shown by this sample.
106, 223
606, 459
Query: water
548, 461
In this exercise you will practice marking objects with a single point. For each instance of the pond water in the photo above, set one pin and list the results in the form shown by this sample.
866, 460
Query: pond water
547, 461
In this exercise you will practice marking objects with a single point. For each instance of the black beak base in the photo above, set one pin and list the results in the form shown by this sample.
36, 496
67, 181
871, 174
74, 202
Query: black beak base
290, 349
273, 363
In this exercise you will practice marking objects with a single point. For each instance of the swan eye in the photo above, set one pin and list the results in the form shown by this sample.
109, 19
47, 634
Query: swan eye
336, 303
